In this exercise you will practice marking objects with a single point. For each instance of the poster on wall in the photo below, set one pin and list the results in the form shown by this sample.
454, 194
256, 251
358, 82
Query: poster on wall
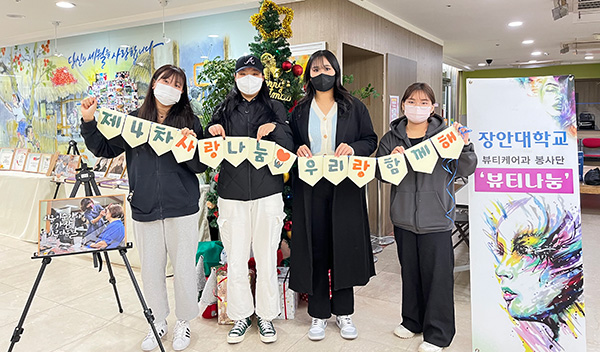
525, 218
69, 226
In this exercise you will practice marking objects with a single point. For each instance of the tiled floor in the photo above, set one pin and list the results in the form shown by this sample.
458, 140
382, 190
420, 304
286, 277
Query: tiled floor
75, 308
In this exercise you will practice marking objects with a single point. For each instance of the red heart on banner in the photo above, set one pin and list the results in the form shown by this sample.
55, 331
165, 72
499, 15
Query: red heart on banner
282, 155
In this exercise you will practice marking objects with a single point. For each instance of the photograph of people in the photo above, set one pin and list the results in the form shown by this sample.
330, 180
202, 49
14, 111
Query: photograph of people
94, 216
331, 227
537, 247
421, 210
101, 165
116, 166
112, 236
163, 195
250, 201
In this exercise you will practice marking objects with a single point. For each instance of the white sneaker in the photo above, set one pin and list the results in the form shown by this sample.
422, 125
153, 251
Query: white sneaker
317, 329
150, 342
429, 347
403, 332
347, 328
181, 335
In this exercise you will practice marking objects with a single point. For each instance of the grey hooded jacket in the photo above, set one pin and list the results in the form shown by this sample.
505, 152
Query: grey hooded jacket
421, 201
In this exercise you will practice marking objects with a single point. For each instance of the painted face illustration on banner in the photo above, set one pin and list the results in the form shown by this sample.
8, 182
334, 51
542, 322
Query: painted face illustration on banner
539, 264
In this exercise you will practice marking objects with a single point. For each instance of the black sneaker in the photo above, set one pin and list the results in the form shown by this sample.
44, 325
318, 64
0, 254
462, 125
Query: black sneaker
266, 330
238, 331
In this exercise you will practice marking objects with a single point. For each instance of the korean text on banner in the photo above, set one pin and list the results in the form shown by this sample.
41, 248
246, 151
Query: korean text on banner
335, 168
527, 290
392, 168
211, 151
310, 170
136, 131
110, 123
422, 157
162, 138
448, 143
184, 147
260, 153
361, 169
236, 149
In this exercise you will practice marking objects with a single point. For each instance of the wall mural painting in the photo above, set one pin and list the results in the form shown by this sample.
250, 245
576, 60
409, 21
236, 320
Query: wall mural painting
40, 93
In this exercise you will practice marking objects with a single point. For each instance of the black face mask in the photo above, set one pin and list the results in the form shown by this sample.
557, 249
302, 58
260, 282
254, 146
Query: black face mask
323, 82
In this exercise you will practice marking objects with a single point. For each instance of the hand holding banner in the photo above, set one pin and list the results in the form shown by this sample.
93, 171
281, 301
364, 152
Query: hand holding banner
211, 151
392, 168
136, 131
361, 170
260, 153
335, 168
162, 138
448, 143
110, 123
236, 149
310, 170
184, 147
422, 157
282, 161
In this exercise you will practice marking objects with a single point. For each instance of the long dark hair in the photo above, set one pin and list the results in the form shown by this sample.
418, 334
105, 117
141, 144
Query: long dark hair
235, 96
180, 115
340, 94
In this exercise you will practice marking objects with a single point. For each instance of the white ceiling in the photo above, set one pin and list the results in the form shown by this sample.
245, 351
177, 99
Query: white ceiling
470, 30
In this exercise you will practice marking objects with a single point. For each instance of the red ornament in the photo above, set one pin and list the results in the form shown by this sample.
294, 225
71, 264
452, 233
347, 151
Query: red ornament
286, 66
288, 225
217, 178
297, 70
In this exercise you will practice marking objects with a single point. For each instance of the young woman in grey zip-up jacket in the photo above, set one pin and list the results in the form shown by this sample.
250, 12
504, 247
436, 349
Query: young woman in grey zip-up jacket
422, 213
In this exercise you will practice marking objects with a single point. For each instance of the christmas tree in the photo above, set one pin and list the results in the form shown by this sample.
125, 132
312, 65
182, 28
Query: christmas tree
283, 77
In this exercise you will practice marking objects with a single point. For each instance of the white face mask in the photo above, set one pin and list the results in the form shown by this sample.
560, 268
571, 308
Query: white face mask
166, 95
249, 84
417, 114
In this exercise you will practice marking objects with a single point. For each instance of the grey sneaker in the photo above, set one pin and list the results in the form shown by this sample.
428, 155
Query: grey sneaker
150, 342
347, 328
266, 330
317, 329
237, 333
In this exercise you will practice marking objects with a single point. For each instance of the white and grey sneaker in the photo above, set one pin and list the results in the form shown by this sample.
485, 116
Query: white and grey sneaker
347, 328
150, 342
317, 329
181, 335
429, 347
403, 332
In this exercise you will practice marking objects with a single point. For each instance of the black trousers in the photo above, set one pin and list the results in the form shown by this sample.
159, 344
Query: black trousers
427, 267
342, 301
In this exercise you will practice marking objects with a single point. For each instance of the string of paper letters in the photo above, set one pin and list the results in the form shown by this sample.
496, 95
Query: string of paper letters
422, 157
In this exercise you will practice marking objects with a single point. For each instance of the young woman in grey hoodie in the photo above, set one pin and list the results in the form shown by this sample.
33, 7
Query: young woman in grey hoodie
422, 213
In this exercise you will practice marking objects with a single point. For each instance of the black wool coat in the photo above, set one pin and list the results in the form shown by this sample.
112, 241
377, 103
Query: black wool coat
352, 259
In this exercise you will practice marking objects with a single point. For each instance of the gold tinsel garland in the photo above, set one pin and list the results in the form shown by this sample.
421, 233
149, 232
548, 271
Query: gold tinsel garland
286, 29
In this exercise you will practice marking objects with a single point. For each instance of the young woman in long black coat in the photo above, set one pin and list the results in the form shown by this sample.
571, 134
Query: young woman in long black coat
331, 226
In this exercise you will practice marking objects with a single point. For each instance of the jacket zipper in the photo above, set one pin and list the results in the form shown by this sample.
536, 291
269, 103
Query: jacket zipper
249, 170
158, 193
